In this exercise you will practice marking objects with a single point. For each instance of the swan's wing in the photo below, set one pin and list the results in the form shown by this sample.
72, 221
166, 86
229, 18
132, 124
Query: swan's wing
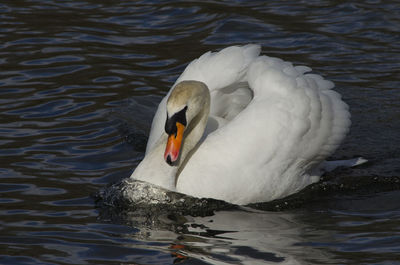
293, 123
217, 70
316, 118
221, 69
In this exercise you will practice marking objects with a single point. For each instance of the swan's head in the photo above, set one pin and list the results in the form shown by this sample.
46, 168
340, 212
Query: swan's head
187, 100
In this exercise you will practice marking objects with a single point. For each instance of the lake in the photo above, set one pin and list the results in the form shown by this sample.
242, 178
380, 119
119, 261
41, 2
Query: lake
80, 82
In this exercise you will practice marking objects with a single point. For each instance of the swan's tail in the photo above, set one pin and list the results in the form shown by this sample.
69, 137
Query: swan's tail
328, 166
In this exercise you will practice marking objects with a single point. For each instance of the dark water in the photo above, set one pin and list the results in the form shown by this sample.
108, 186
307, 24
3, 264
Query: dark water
80, 81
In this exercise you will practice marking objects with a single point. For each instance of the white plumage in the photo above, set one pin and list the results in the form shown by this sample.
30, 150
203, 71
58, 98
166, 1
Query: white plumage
270, 128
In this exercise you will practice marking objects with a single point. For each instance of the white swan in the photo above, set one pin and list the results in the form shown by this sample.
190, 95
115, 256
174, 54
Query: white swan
243, 128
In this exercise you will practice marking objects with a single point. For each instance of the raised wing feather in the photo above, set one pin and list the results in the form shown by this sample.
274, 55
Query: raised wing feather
293, 123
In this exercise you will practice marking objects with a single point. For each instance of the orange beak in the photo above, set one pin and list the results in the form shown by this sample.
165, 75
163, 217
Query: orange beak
174, 144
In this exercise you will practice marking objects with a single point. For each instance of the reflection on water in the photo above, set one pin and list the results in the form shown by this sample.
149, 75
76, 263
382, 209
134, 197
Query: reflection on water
219, 233
252, 238
80, 80
238, 237
339, 229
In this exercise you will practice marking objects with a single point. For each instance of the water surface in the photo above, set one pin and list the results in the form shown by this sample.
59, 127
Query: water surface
80, 81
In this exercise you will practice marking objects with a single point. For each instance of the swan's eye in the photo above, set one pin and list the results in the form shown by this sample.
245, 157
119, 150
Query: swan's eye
170, 123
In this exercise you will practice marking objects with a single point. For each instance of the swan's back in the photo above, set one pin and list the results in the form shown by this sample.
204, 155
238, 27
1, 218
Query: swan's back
293, 123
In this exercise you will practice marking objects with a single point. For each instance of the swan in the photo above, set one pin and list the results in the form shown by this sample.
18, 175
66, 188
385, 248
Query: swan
243, 128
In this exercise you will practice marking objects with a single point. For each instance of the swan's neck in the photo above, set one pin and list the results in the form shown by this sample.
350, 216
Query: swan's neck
154, 169
192, 136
